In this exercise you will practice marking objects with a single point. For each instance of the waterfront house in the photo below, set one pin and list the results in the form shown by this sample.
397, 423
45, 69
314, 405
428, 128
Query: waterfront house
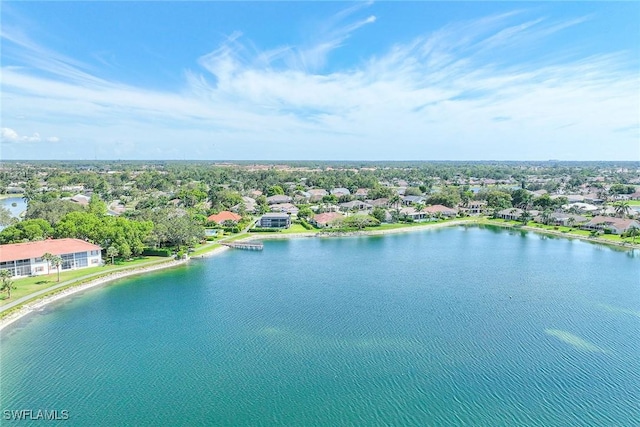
436, 210
514, 214
25, 259
475, 207
564, 219
326, 219
411, 212
275, 220
614, 225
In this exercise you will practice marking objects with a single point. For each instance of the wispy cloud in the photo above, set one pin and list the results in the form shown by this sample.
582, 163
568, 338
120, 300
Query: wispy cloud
443, 95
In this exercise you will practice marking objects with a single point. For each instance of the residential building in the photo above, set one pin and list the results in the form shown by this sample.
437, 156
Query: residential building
475, 207
326, 219
440, 210
275, 220
25, 259
361, 193
564, 219
223, 216
340, 192
355, 205
412, 200
285, 207
514, 214
614, 225
278, 198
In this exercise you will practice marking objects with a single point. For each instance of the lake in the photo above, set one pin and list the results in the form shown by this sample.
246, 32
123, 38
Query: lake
448, 327
20, 205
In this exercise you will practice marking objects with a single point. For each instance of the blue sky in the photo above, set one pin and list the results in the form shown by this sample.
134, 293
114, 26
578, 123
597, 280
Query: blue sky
321, 80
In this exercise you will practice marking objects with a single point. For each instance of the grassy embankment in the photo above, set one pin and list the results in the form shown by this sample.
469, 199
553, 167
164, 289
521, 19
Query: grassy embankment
28, 285
561, 230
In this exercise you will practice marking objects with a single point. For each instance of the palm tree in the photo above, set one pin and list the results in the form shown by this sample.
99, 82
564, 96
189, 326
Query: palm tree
7, 283
571, 221
395, 201
48, 257
546, 216
525, 217
622, 208
56, 261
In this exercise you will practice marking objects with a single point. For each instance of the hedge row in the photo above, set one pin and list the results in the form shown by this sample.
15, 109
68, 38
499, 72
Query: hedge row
157, 252
263, 230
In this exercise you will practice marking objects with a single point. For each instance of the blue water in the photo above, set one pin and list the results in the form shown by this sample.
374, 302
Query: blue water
16, 210
449, 327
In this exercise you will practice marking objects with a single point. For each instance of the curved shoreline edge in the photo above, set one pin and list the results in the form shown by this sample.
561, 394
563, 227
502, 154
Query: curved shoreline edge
38, 303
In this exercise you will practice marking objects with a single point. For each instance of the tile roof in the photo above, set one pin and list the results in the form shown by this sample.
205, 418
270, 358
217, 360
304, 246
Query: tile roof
327, 217
29, 250
223, 216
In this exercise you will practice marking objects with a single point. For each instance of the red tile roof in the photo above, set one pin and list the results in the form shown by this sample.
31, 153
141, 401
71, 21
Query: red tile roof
327, 217
29, 250
223, 216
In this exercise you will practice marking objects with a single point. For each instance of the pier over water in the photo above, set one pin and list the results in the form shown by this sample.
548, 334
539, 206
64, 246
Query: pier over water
249, 246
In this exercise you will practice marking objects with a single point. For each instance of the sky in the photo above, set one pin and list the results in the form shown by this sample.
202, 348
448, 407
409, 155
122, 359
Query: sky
321, 80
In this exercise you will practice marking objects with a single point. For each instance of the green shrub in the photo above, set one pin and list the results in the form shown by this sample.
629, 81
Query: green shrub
156, 252
306, 225
264, 230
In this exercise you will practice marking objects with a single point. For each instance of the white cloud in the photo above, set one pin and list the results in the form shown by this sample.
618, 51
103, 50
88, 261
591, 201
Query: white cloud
449, 94
9, 136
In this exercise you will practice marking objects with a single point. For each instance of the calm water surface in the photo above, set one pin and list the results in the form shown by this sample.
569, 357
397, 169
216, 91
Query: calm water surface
459, 326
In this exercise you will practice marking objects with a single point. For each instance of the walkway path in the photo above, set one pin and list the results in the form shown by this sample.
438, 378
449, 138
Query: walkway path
44, 291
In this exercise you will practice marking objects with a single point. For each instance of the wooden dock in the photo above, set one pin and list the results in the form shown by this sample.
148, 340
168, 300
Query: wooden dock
248, 246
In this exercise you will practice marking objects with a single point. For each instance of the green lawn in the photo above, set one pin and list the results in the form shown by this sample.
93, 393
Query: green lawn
296, 228
204, 248
27, 285
634, 202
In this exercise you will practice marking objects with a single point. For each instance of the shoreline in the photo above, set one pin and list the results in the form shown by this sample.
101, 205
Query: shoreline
38, 303
427, 226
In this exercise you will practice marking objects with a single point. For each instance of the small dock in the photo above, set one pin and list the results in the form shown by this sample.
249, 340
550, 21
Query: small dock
247, 246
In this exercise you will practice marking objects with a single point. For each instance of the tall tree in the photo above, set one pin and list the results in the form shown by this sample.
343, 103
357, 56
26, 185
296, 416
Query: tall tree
48, 257
112, 252
7, 282
622, 208
56, 261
